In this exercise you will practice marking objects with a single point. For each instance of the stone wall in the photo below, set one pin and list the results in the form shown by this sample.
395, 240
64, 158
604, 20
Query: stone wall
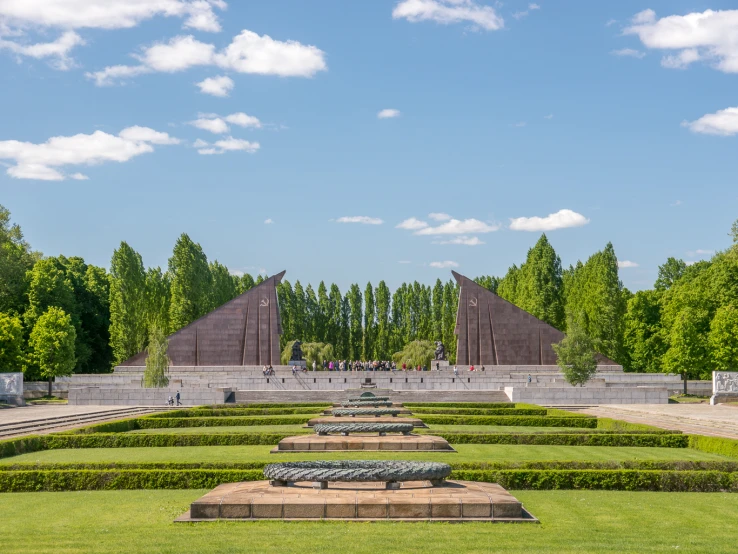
568, 396
145, 397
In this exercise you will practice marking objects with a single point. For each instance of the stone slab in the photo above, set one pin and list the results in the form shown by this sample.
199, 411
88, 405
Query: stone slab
371, 419
457, 501
360, 442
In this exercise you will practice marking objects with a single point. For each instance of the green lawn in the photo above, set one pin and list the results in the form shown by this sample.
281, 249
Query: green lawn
296, 429
466, 453
572, 521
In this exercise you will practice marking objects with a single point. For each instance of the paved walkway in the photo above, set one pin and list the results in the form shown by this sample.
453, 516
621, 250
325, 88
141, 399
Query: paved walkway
700, 419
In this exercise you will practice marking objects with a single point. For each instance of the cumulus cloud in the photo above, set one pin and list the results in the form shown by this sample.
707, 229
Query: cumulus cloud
58, 50
559, 220
219, 126
525, 13
229, 144
628, 53
459, 227
710, 36
444, 265
363, 219
449, 11
466, 241
411, 224
44, 161
549, 116
388, 113
723, 122
247, 53
624, 264
268, 221
439, 216
220, 86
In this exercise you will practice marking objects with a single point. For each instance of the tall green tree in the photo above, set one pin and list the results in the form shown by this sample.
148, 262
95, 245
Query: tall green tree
688, 345
157, 360
539, 287
356, 332
286, 300
222, 288
450, 306
437, 310
312, 315
344, 332
16, 260
128, 310
245, 282
11, 343
299, 313
644, 333
384, 332
575, 355
51, 344
157, 301
669, 273
191, 283
488, 282
723, 339
508, 285
322, 321
49, 286
368, 347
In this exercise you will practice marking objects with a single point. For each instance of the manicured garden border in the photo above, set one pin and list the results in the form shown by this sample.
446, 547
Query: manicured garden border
528, 421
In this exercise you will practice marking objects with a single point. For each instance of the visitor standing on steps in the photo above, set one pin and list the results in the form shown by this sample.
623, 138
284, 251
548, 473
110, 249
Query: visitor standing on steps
313, 365
177, 397
456, 371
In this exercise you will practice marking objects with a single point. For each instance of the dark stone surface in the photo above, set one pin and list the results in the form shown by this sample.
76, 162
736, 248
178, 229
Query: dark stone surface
244, 331
492, 331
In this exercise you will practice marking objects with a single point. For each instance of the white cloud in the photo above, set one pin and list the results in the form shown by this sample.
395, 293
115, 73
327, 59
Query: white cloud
388, 113
220, 86
520, 124
459, 227
57, 50
559, 220
710, 36
366, 220
107, 14
449, 11
628, 53
676, 203
230, 145
411, 224
466, 241
444, 265
700, 252
439, 216
525, 13
79, 177
214, 125
42, 161
268, 221
199, 143
236, 272
549, 116
243, 120
611, 22
723, 122
626, 264
247, 53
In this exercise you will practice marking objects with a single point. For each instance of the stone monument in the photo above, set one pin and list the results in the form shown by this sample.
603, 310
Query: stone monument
724, 387
440, 353
11, 389
296, 358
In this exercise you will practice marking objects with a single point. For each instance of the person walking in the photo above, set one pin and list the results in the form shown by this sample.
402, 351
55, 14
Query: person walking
456, 371
178, 397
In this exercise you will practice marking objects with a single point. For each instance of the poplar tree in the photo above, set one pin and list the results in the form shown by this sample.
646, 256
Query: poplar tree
450, 306
539, 286
384, 331
396, 333
323, 315
334, 333
311, 315
286, 308
299, 316
437, 311
368, 347
344, 333
508, 286
127, 303
355, 329
157, 300
157, 360
245, 282
643, 332
222, 288
191, 283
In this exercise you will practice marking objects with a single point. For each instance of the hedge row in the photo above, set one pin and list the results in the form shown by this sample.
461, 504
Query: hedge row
714, 445
667, 465
568, 439
162, 423
265, 405
125, 479
481, 411
199, 412
626, 427
489, 405
527, 421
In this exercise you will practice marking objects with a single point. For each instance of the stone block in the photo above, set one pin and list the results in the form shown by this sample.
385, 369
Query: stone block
241, 510
507, 510
267, 507
445, 507
410, 508
375, 508
304, 508
340, 507
476, 506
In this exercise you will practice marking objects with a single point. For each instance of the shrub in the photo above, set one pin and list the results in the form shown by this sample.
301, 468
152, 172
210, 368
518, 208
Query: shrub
529, 421
481, 411
238, 412
162, 423
569, 439
715, 445
488, 405
266, 405
626, 427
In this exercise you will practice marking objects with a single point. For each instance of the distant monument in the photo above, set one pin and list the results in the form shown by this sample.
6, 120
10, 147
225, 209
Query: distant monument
440, 353
242, 332
492, 331
724, 387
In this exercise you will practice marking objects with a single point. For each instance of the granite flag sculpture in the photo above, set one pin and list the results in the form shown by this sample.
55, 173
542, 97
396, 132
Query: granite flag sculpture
492, 331
242, 332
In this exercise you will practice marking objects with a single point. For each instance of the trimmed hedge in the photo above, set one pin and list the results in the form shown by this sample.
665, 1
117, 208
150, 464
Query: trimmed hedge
239, 412
568, 439
167, 423
667, 465
626, 427
481, 411
714, 445
265, 405
528, 421
488, 405
126, 479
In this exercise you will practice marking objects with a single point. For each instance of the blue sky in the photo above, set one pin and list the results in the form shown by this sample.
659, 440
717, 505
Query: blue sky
607, 121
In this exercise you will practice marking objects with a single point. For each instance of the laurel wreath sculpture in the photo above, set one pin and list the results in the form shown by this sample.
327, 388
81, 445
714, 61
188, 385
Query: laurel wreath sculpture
369, 399
372, 403
357, 471
352, 412
366, 394
346, 428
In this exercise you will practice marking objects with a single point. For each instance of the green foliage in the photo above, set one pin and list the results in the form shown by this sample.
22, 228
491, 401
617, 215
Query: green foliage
16, 259
627, 427
576, 356
191, 283
11, 343
227, 412
317, 352
714, 445
481, 411
128, 309
52, 344
669, 273
531, 421
157, 300
417, 353
223, 286
164, 423
642, 440
157, 360
368, 346
488, 405
723, 339
49, 286
688, 346
355, 330
643, 332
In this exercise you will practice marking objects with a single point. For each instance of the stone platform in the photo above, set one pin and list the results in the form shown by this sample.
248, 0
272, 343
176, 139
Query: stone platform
362, 442
402, 411
371, 419
454, 501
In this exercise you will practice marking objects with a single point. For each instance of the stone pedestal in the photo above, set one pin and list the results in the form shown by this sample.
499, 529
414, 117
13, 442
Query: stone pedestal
362, 442
11, 389
298, 363
370, 419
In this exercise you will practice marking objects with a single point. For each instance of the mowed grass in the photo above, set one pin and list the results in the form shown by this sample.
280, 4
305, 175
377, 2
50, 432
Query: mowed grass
296, 429
465, 453
571, 521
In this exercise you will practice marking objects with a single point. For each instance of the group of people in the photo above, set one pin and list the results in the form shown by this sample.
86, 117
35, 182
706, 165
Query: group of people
471, 368
347, 365
170, 400
267, 370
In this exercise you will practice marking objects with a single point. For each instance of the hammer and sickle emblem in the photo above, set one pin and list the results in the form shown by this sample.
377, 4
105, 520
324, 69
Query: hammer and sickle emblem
473, 301
264, 302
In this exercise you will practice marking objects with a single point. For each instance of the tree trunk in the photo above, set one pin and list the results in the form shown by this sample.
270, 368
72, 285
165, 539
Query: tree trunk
684, 376
50, 378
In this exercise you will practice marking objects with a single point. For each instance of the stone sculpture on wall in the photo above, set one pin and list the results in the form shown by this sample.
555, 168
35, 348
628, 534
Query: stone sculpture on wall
296, 351
725, 382
440, 353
